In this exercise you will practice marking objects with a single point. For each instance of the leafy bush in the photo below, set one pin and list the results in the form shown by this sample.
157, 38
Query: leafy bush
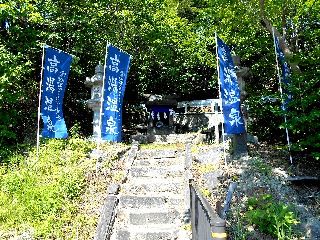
274, 218
265, 118
304, 114
304, 118
258, 165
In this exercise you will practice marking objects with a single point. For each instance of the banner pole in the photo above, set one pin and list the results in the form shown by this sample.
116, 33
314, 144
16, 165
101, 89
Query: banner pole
102, 96
39, 105
281, 95
220, 98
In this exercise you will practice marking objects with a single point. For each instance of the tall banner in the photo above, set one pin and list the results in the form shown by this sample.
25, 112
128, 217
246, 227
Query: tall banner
285, 69
55, 76
285, 79
115, 77
229, 90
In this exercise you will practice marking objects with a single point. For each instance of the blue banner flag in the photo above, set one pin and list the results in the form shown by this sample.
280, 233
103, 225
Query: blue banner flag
230, 92
55, 76
116, 70
285, 69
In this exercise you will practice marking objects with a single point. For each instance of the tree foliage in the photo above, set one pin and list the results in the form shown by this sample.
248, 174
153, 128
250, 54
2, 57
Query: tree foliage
304, 114
173, 51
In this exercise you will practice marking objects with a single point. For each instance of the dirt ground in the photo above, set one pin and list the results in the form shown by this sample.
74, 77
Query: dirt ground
265, 171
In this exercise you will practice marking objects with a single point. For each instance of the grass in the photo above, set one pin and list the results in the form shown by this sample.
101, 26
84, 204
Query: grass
53, 196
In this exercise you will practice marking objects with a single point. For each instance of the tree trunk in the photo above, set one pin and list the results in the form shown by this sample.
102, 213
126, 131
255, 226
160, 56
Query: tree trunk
283, 45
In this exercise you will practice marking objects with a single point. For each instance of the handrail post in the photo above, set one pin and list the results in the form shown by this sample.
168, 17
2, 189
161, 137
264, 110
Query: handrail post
218, 229
205, 223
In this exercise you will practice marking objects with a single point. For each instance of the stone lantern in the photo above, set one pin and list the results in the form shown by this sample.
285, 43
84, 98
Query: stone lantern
94, 103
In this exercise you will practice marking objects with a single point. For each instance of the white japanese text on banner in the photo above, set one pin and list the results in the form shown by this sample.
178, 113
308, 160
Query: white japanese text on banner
116, 70
230, 92
285, 79
55, 77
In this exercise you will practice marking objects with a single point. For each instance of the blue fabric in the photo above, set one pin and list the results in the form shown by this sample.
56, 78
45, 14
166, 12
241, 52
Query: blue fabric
160, 113
285, 69
116, 70
230, 92
160, 109
55, 77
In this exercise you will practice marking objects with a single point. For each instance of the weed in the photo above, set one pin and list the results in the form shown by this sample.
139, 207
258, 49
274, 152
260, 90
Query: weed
118, 176
75, 131
260, 166
271, 217
239, 231
187, 227
206, 192
206, 168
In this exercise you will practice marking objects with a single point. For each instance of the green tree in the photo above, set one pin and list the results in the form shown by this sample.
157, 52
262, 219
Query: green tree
247, 27
173, 50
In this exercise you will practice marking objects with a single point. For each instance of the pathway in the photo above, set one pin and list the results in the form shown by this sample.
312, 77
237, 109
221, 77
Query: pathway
154, 199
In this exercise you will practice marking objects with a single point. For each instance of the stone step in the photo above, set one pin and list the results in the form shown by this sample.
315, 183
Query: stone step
168, 195
146, 186
148, 216
156, 172
153, 153
159, 161
139, 202
158, 232
151, 201
159, 179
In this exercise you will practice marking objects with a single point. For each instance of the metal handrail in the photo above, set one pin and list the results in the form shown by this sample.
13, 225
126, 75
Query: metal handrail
206, 223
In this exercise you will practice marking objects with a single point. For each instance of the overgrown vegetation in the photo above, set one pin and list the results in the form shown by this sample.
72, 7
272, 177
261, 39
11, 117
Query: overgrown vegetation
264, 205
45, 197
41, 193
271, 217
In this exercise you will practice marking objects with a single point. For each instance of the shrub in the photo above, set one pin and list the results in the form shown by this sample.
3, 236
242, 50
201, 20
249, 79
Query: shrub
274, 218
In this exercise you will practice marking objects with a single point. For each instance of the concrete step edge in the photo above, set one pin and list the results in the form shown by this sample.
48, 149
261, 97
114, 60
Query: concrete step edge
166, 194
152, 180
138, 202
153, 189
149, 210
176, 167
148, 228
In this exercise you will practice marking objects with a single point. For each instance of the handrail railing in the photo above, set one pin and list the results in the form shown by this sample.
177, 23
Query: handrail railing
206, 224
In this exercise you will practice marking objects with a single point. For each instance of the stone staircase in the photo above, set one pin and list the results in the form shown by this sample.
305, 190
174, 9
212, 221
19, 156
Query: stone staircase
153, 202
